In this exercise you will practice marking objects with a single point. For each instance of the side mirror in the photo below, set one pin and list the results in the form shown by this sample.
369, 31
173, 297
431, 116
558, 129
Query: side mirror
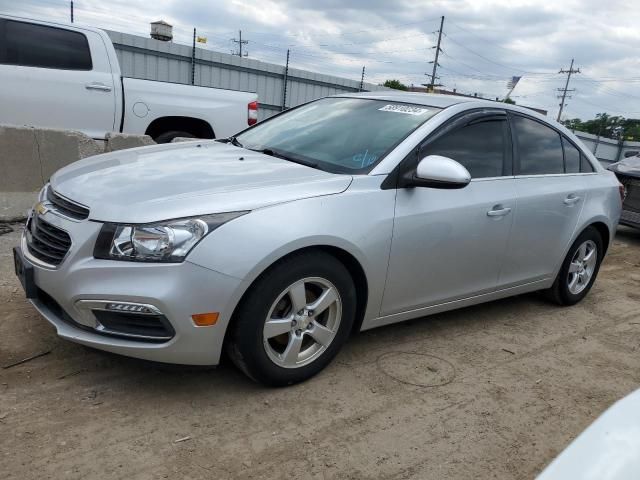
435, 171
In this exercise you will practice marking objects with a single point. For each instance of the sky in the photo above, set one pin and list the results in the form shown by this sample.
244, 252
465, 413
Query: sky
484, 42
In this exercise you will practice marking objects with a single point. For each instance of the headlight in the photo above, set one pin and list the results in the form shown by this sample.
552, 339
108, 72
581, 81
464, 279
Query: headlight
168, 241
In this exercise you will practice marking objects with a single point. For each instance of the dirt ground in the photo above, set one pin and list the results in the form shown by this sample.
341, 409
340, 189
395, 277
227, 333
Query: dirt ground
493, 391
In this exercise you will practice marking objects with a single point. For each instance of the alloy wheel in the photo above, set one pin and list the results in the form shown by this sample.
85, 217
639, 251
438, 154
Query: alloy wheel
582, 267
302, 322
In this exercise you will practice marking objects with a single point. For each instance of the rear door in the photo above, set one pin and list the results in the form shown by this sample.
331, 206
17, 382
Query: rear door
551, 191
450, 244
55, 77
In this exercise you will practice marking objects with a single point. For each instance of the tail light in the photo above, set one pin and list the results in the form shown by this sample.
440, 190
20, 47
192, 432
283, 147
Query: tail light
623, 191
252, 115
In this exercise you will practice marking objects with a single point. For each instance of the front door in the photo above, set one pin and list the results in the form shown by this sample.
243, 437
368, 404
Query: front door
449, 244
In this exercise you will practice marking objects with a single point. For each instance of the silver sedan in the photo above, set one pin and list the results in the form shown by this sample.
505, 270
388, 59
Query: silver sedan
343, 214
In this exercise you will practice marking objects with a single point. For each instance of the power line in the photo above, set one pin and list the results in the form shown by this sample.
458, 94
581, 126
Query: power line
356, 32
509, 67
566, 87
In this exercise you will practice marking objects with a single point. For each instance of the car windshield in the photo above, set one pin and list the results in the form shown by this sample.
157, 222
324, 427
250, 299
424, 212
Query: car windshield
339, 135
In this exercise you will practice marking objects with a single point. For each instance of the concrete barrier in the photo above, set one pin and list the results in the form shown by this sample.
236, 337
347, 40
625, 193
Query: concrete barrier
29, 156
120, 141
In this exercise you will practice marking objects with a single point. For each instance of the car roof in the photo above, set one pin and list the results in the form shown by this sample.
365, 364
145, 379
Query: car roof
418, 98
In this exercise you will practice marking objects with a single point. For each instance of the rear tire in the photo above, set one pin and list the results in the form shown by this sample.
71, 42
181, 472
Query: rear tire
579, 269
166, 137
293, 320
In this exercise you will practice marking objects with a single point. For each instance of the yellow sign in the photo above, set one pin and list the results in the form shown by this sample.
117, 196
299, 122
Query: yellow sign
202, 39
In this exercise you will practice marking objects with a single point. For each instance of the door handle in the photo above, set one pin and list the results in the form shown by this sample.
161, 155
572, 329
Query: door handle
571, 199
97, 86
498, 211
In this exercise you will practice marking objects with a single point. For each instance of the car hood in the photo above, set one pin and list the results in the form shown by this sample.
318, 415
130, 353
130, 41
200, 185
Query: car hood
162, 182
629, 166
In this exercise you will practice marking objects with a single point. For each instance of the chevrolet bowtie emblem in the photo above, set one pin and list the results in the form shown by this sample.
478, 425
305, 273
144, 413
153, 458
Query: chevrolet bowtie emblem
41, 208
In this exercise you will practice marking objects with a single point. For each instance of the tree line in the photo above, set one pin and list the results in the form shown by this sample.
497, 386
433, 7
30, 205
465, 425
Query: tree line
607, 126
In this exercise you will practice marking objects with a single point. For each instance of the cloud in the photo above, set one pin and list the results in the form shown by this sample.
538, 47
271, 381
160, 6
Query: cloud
485, 42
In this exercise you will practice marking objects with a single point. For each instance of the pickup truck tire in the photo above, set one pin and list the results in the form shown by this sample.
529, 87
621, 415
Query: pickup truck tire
166, 137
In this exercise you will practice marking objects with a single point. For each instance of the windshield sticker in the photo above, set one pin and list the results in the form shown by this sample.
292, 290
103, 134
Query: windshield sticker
364, 159
404, 109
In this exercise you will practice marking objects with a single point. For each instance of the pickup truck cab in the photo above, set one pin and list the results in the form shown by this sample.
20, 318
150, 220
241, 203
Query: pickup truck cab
68, 76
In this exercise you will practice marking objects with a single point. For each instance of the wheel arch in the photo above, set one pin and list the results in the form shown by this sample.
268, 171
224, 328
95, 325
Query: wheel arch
352, 264
196, 126
604, 232
601, 225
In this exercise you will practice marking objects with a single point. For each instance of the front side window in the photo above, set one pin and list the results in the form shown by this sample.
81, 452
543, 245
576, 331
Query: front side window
31, 45
539, 147
480, 147
340, 135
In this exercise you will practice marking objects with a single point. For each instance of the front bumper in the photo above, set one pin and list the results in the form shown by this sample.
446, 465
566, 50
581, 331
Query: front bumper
177, 290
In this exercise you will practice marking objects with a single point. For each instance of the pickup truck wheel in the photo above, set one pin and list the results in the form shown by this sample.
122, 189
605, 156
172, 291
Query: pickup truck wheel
293, 320
166, 137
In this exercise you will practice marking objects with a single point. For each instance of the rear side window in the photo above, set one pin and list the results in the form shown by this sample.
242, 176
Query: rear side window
585, 165
539, 147
571, 157
480, 147
31, 45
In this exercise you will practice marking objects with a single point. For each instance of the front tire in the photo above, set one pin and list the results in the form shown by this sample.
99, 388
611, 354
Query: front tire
293, 320
579, 269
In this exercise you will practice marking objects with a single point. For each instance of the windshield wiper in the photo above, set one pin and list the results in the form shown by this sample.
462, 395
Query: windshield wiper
286, 156
232, 140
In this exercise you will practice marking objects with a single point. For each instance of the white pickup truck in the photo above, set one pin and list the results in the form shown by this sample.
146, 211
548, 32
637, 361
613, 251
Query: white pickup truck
67, 76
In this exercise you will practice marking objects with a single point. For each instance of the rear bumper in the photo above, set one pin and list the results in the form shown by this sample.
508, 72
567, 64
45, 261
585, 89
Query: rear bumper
630, 218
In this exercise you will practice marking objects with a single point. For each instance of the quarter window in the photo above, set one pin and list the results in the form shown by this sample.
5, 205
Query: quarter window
479, 146
585, 165
571, 157
539, 147
31, 45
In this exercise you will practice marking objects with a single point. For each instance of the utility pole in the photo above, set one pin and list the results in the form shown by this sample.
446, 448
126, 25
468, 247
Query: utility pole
240, 43
71, 11
284, 87
361, 80
193, 59
566, 87
432, 84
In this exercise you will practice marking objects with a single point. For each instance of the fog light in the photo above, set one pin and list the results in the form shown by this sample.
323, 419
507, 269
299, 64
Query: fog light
129, 307
205, 319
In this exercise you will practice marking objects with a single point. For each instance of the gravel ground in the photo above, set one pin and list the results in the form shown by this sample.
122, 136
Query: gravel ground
493, 391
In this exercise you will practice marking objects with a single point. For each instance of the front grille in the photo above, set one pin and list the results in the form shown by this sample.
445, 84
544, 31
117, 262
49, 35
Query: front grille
47, 242
142, 326
67, 207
